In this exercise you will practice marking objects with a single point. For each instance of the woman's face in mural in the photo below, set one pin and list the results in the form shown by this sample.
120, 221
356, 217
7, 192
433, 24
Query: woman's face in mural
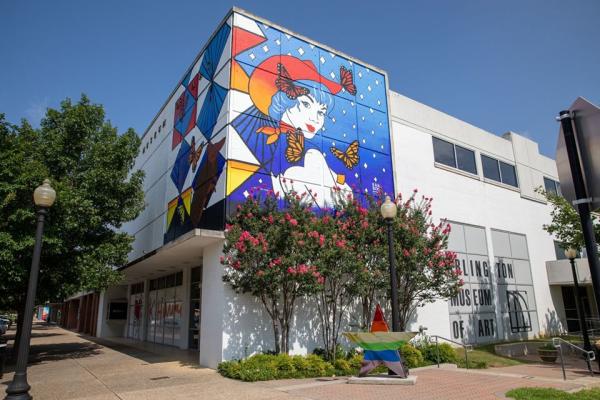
308, 114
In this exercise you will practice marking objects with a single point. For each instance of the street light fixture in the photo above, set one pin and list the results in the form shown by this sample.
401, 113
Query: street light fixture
571, 254
43, 197
388, 212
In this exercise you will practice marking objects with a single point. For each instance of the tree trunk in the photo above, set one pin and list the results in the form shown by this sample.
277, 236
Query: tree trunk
276, 335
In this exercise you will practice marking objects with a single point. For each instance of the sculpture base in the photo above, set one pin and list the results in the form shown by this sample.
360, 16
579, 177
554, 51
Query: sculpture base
383, 380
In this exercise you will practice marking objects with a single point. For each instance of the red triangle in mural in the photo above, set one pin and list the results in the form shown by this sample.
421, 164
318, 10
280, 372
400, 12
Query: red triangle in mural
379, 324
243, 40
177, 138
193, 86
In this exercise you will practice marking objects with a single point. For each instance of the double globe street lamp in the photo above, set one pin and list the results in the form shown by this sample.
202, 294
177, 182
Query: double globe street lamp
389, 210
43, 197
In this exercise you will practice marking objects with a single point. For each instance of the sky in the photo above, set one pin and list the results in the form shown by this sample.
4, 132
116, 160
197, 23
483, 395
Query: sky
499, 65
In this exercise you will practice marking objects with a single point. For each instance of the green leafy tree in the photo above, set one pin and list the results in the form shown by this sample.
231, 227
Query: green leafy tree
566, 225
89, 165
264, 256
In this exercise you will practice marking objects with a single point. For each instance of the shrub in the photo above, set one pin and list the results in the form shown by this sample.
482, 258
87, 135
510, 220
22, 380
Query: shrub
342, 367
355, 361
411, 356
318, 367
446, 352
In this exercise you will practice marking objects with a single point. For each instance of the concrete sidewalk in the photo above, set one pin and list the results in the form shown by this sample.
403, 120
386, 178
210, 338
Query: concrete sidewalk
68, 366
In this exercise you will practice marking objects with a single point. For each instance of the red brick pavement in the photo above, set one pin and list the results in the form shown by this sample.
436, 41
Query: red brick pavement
432, 384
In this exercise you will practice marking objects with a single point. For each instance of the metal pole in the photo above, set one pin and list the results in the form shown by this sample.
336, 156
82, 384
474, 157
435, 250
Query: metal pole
562, 362
19, 388
437, 350
580, 310
393, 277
583, 208
466, 357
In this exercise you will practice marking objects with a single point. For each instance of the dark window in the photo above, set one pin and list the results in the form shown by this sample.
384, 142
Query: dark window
509, 175
443, 152
490, 168
552, 186
465, 160
164, 122
137, 288
560, 252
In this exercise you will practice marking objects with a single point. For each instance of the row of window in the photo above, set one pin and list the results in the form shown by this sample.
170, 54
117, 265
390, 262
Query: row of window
458, 157
152, 136
168, 281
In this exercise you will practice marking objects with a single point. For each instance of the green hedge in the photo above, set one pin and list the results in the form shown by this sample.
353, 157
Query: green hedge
264, 367
446, 352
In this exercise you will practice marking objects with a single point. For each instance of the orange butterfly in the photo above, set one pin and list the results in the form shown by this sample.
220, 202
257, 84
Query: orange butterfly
348, 157
346, 80
194, 155
285, 83
295, 146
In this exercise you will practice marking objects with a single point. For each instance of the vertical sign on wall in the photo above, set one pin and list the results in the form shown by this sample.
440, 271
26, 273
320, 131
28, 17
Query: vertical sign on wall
515, 285
472, 311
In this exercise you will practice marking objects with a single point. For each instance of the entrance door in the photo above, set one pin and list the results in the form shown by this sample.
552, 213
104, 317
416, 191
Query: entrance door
195, 302
569, 301
164, 310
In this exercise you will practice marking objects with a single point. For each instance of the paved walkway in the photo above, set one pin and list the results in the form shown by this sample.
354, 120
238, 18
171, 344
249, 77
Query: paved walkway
68, 366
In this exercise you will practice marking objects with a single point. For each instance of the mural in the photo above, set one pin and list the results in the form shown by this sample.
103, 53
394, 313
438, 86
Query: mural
303, 118
264, 109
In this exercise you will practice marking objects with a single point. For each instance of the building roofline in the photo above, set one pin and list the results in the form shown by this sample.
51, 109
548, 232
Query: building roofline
265, 21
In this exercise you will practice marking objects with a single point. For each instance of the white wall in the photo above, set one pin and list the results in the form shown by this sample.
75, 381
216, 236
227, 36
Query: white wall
112, 328
470, 199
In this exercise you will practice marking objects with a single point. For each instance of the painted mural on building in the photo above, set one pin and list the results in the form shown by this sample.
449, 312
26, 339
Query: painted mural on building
304, 118
264, 110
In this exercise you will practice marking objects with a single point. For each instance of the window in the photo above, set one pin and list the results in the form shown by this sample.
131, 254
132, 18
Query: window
560, 252
465, 160
454, 156
443, 152
552, 186
499, 171
508, 174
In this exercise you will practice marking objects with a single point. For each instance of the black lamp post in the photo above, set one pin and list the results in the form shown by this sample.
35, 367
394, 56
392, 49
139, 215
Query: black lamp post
571, 254
388, 212
44, 197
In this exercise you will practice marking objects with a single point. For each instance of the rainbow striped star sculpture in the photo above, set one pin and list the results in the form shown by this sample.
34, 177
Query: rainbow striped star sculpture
381, 346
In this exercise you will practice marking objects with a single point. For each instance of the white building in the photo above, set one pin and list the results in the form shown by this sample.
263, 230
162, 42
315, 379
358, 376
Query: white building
197, 157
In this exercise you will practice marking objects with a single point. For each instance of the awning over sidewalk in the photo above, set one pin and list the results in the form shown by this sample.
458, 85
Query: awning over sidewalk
186, 250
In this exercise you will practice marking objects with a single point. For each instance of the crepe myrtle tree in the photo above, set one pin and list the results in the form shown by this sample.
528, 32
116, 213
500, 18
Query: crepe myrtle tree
426, 270
264, 256
343, 242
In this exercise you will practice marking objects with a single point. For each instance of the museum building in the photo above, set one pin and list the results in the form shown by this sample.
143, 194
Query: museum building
261, 105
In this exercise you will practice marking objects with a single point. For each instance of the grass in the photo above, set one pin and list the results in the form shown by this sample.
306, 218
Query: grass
552, 394
484, 357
